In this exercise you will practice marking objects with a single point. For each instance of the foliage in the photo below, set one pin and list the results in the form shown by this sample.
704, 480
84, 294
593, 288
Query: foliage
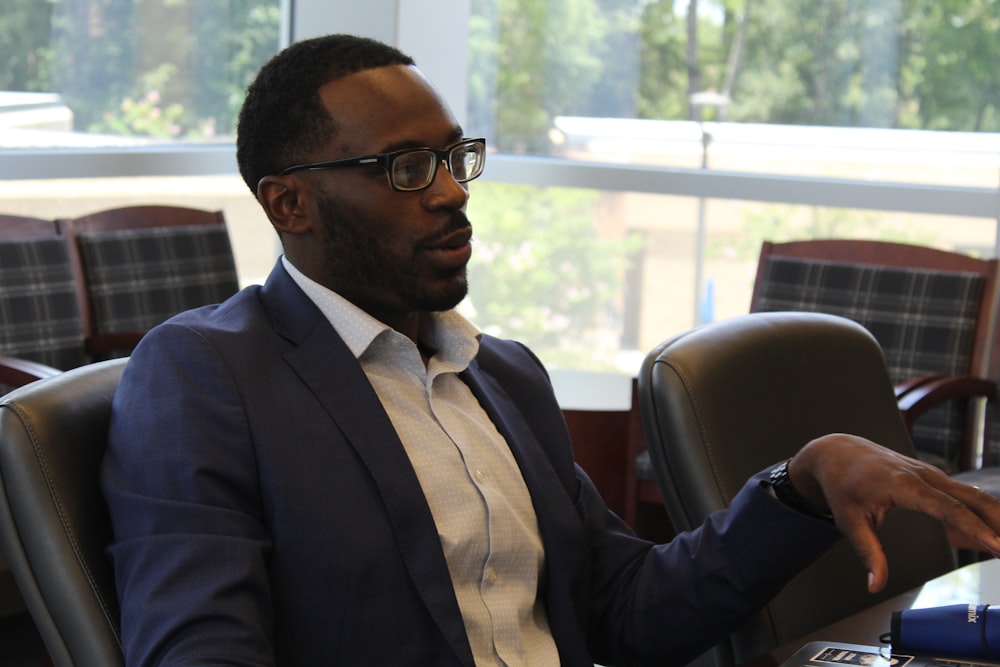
663, 64
92, 56
24, 46
543, 273
960, 86
175, 68
144, 114
922, 64
531, 61
919, 64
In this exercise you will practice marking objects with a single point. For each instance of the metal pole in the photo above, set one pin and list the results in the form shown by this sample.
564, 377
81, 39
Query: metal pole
700, 235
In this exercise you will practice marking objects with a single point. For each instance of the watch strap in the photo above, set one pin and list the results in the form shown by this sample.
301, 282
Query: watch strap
785, 491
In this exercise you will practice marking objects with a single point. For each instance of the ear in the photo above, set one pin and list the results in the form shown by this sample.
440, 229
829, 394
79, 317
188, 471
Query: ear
284, 200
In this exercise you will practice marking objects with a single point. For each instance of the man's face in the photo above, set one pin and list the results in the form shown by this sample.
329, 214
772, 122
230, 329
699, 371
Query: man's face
394, 254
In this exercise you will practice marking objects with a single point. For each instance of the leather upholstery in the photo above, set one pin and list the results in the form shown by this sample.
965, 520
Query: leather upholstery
725, 400
54, 525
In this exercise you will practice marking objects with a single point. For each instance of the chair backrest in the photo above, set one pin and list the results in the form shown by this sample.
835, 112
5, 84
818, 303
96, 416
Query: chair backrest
139, 265
54, 525
724, 401
40, 320
933, 312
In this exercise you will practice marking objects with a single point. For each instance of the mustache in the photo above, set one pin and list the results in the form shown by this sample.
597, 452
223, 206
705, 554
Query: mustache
457, 222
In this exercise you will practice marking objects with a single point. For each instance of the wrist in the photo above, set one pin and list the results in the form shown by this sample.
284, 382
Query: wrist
787, 493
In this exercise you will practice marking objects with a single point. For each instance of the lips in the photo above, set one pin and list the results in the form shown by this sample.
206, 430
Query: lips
451, 251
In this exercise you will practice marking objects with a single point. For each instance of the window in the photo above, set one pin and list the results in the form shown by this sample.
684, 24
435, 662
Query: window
691, 131
117, 102
636, 193
124, 73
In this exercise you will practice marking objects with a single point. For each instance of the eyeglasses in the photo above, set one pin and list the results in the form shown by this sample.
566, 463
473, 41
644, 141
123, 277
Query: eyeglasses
414, 169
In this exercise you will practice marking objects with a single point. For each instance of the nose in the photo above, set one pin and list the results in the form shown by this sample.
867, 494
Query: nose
445, 191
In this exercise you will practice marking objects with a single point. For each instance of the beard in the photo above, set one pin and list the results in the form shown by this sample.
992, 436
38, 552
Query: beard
362, 265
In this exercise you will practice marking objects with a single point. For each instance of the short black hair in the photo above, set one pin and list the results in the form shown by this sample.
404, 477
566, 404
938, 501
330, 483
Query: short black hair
283, 117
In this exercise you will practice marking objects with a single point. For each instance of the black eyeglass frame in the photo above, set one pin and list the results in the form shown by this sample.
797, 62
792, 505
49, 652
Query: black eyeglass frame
387, 160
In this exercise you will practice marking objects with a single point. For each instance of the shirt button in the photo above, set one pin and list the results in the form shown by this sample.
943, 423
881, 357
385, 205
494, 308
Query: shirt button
491, 576
480, 475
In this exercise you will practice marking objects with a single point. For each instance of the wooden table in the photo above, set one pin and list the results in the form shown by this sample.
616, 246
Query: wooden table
975, 583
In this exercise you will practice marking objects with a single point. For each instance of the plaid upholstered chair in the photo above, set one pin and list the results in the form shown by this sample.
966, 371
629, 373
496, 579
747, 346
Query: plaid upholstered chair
41, 331
139, 265
933, 312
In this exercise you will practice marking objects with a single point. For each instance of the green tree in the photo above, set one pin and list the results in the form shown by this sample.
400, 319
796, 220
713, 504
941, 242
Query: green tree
816, 63
921, 64
92, 54
25, 35
662, 85
531, 61
958, 59
174, 69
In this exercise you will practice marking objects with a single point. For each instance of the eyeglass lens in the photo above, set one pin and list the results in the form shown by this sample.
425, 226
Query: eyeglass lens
415, 170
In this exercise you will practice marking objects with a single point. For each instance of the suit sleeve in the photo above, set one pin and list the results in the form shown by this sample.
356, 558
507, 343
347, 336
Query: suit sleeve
180, 480
637, 603
689, 594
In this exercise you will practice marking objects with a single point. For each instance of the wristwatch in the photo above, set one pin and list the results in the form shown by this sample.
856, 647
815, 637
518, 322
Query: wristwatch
781, 483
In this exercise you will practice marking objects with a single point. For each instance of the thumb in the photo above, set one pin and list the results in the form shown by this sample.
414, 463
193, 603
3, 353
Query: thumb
862, 538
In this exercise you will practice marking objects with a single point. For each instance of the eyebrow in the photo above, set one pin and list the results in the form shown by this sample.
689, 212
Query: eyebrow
456, 135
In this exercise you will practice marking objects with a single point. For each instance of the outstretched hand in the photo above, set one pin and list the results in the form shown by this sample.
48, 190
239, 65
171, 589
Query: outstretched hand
860, 482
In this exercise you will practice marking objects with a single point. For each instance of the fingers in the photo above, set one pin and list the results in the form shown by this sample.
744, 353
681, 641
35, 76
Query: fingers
862, 482
962, 509
861, 535
966, 511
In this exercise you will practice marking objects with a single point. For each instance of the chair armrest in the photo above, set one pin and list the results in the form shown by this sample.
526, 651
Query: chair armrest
935, 390
907, 386
16, 372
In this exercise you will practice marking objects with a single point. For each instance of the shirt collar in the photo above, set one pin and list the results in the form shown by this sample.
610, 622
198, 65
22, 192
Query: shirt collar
452, 337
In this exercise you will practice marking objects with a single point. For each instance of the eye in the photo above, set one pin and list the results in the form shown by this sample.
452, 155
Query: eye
466, 161
411, 169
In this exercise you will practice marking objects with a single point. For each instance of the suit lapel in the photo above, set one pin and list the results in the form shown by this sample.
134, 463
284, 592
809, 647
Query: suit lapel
558, 520
329, 369
549, 498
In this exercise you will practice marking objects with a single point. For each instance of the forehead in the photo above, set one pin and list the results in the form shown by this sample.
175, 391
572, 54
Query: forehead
387, 106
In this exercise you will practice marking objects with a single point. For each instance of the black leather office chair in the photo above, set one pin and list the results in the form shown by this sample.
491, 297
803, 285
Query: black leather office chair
726, 400
54, 525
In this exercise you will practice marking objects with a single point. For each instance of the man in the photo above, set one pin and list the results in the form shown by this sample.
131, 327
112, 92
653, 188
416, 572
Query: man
336, 468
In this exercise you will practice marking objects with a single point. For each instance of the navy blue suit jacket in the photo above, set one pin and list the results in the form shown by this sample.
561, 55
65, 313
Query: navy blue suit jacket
266, 513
